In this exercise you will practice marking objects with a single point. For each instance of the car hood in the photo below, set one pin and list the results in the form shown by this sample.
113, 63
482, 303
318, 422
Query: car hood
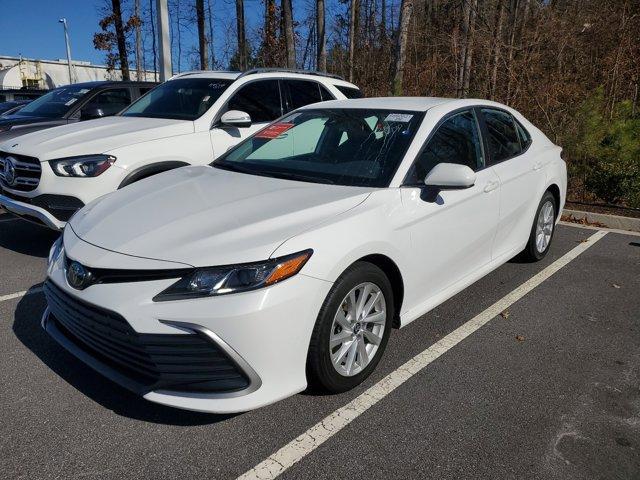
8, 121
205, 216
96, 136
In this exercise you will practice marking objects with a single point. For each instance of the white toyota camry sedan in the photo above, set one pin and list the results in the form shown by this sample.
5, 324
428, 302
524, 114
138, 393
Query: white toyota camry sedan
289, 260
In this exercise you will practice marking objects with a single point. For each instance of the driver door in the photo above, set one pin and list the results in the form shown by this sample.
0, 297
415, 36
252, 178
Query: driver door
452, 233
261, 100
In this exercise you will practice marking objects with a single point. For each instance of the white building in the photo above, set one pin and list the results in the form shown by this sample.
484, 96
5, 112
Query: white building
16, 72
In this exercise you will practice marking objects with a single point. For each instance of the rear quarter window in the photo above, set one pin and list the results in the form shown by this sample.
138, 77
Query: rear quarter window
349, 92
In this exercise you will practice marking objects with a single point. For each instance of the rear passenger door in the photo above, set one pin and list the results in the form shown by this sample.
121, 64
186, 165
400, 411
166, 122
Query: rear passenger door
521, 178
262, 100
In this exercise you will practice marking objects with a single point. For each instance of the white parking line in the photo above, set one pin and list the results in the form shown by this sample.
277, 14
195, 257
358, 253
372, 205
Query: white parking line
11, 296
306, 443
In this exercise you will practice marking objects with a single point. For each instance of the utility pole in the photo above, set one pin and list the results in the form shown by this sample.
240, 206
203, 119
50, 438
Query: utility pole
63, 21
163, 40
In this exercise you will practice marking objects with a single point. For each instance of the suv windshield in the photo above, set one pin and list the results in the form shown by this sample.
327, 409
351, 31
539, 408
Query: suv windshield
180, 99
358, 147
54, 104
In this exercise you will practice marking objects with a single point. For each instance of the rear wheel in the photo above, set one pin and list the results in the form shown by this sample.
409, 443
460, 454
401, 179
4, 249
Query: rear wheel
542, 230
352, 329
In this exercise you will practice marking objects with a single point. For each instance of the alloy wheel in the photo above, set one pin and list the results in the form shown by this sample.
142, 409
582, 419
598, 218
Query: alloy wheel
544, 226
357, 329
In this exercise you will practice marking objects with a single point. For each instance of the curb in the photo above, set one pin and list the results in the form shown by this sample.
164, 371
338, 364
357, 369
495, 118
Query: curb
602, 219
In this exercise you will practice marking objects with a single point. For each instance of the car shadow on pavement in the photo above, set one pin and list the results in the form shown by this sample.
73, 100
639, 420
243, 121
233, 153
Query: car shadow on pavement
25, 237
27, 329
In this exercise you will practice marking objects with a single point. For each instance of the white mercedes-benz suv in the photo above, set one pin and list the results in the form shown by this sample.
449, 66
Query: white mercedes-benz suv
191, 119
290, 258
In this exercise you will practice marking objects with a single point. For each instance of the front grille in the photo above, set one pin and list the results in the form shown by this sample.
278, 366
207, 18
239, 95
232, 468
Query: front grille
27, 175
181, 363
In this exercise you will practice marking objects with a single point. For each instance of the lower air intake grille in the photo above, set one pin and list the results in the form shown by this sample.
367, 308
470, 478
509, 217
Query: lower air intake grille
181, 363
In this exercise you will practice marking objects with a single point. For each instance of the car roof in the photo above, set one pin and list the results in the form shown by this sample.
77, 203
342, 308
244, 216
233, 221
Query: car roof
107, 83
416, 104
264, 73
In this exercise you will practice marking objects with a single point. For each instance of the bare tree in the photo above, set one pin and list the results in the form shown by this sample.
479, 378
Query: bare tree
153, 41
406, 9
202, 39
353, 31
321, 61
138, 25
287, 30
120, 38
241, 34
497, 43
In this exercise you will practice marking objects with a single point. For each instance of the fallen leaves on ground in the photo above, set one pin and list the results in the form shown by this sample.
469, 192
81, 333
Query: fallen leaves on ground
505, 314
520, 338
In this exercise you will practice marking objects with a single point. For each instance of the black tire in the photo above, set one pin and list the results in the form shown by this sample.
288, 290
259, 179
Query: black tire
321, 373
532, 253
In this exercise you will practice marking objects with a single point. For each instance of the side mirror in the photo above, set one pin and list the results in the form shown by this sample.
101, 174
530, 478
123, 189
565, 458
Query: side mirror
236, 118
450, 176
89, 113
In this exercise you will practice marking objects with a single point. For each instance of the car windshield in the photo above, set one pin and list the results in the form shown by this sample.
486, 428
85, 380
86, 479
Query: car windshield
357, 147
54, 104
181, 99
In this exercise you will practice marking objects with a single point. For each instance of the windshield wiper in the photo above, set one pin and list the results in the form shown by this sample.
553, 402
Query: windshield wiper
301, 177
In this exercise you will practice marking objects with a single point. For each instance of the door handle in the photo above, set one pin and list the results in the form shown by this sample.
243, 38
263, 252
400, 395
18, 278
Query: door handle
491, 186
537, 166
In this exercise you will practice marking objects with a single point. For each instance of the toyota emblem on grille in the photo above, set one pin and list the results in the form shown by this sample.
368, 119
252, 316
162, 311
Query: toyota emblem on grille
78, 276
9, 171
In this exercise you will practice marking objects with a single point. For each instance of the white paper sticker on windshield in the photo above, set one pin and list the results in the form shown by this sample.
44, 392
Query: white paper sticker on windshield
399, 117
71, 102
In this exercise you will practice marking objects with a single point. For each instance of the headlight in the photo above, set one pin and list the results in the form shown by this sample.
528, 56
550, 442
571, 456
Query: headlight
83, 166
54, 253
206, 282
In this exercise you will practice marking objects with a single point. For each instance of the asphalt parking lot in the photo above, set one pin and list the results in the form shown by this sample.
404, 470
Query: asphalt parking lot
549, 388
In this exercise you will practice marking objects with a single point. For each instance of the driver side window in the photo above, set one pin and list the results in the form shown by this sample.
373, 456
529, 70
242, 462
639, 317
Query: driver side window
457, 140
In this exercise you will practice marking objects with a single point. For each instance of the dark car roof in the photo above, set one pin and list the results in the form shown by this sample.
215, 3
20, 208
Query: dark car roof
109, 83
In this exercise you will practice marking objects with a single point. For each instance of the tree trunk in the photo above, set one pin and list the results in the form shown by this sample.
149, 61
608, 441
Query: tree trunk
289, 39
464, 42
242, 40
322, 43
497, 41
212, 55
153, 41
353, 31
383, 20
136, 13
469, 49
406, 9
270, 44
202, 39
122, 44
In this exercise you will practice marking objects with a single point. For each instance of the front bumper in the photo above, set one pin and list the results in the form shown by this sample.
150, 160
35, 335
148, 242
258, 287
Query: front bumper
265, 333
31, 212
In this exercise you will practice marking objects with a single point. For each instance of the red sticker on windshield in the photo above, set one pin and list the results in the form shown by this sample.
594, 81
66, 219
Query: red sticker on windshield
275, 130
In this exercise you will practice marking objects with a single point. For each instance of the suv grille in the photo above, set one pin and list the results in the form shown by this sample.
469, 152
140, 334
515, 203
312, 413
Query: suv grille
184, 363
27, 172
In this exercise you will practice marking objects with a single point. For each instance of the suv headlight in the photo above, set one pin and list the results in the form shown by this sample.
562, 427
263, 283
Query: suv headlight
82, 166
206, 282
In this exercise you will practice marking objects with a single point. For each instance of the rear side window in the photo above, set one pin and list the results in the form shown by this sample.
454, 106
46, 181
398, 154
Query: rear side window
261, 100
303, 93
523, 135
503, 137
349, 92
457, 140
111, 101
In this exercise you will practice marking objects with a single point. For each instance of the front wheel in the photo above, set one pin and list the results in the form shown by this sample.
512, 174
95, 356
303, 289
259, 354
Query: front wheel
352, 329
542, 230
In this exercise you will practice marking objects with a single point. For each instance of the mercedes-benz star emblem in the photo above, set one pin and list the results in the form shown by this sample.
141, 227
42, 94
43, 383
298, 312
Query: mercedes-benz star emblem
9, 171
78, 276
